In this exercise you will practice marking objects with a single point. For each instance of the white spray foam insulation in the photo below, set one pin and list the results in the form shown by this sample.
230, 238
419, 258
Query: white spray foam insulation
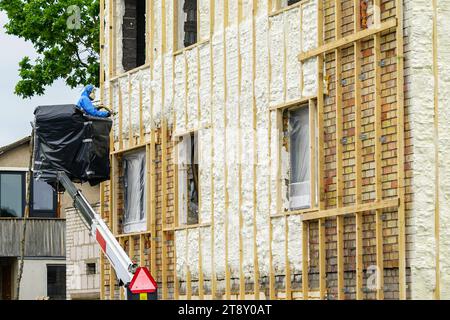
247, 9
295, 243
205, 136
232, 12
219, 149
118, 18
192, 86
156, 86
115, 106
308, 42
219, 9
205, 84
276, 48
157, 30
135, 96
274, 144
106, 46
232, 150
146, 99
422, 109
205, 234
444, 141
179, 93
168, 89
204, 17
181, 251
169, 25
278, 245
123, 83
292, 21
193, 252
247, 156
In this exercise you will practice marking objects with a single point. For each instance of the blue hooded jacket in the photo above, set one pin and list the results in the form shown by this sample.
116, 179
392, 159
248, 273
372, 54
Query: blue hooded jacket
86, 105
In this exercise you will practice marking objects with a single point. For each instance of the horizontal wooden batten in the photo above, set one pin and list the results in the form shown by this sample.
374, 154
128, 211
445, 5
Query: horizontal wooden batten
391, 23
383, 204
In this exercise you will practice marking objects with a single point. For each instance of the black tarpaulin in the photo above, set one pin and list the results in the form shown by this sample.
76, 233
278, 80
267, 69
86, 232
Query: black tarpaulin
68, 140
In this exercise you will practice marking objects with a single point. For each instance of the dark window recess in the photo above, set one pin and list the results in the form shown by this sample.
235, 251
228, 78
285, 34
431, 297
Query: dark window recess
192, 175
190, 25
56, 282
90, 268
44, 200
133, 33
292, 2
12, 194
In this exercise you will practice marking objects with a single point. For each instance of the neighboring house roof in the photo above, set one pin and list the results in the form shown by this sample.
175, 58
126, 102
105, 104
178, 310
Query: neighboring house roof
14, 145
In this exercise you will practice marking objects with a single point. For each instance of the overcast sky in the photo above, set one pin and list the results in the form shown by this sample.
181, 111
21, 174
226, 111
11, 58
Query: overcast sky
16, 113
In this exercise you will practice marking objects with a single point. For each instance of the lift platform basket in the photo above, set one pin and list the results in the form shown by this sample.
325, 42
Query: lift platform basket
68, 140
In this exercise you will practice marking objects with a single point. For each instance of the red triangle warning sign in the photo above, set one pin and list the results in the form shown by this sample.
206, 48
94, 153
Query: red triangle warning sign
142, 282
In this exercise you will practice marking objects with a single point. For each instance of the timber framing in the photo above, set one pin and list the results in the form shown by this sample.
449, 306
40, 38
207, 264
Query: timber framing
348, 156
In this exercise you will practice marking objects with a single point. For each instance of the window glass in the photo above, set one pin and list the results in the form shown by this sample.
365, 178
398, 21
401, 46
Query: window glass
56, 282
44, 204
299, 158
134, 192
188, 183
187, 23
11, 194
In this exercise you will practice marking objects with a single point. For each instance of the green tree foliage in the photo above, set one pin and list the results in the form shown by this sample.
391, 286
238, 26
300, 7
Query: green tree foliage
65, 34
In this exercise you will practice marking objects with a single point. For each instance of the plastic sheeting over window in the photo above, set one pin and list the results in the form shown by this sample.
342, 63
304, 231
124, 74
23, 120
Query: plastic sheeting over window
299, 187
134, 188
188, 184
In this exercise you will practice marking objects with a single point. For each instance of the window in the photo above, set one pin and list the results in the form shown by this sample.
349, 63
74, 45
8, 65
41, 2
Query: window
56, 282
298, 124
285, 3
133, 34
134, 192
188, 183
44, 200
91, 268
187, 23
12, 194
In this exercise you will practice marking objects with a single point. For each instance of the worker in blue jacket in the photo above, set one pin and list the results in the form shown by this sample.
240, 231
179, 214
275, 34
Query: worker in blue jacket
85, 103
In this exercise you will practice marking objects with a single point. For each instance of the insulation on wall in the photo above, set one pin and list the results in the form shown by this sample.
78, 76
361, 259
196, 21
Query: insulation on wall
204, 18
179, 93
219, 150
443, 25
421, 61
232, 147
192, 86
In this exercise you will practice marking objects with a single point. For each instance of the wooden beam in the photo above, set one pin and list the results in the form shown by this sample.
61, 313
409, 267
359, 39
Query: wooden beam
359, 255
378, 172
130, 123
360, 35
437, 291
152, 152
288, 289
339, 131
305, 260
271, 271
401, 152
312, 153
322, 259
369, 206
255, 156
340, 256
120, 117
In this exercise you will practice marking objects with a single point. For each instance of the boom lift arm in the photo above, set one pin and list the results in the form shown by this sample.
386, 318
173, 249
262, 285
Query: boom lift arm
122, 264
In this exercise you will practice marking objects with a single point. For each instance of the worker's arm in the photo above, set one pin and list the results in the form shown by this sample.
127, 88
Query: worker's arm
88, 107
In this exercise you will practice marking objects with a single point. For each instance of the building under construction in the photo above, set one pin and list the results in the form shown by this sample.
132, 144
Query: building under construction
274, 149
